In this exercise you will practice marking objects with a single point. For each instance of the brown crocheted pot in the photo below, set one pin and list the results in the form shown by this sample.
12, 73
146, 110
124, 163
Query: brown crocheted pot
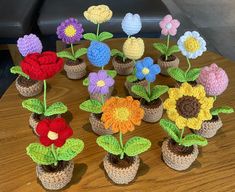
121, 171
98, 126
128, 86
210, 128
172, 61
152, 111
28, 87
75, 69
123, 68
54, 178
106, 96
178, 157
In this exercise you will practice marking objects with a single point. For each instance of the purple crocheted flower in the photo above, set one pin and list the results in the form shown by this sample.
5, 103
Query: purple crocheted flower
70, 31
99, 82
29, 44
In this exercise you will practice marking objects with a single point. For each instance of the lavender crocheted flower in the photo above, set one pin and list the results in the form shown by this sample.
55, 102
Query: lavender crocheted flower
29, 44
99, 83
70, 31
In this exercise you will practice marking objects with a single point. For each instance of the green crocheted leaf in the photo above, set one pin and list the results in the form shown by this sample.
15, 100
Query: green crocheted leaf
90, 37
136, 146
115, 52
177, 74
33, 105
160, 47
104, 36
224, 109
112, 73
110, 144
193, 74
18, 70
66, 54
193, 139
131, 78
171, 129
157, 91
40, 154
91, 106
70, 149
80, 52
140, 91
172, 49
56, 108
85, 82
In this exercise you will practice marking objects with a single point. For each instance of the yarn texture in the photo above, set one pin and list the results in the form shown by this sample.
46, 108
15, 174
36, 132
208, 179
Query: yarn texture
133, 48
169, 25
131, 24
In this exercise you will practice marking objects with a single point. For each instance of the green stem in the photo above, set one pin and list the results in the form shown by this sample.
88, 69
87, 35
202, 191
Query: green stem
45, 95
102, 67
72, 49
189, 65
54, 154
215, 98
123, 58
97, 30
181, 135
102, 99
149, 88
167, 45
121, 143
128, 37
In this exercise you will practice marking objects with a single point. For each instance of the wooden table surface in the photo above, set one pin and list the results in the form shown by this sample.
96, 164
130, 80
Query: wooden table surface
214, 169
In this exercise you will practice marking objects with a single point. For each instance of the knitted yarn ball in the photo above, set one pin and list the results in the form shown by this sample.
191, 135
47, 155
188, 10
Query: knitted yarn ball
98, 54
214, 79
131, 24
29, 44
133, 48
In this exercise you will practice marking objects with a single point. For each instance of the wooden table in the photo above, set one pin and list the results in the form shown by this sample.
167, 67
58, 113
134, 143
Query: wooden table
214, 169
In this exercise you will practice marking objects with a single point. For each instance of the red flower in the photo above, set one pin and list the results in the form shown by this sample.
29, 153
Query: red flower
41, 66
54, 131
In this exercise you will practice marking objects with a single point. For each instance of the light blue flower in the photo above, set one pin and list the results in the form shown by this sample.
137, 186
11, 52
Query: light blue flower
131, 24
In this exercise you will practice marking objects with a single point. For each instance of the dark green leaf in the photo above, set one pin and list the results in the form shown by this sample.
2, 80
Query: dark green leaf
115, 52
112, 73
193, 74
33, 105
160, 47
132, 78
157, 91
92, 106
140, 91
66, 54
192, 139
177, 74
173, 49
55, 108
171, 129
80, 52
85, 82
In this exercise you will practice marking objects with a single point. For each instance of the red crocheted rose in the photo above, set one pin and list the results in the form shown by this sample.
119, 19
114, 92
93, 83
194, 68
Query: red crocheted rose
41, 66
54, 131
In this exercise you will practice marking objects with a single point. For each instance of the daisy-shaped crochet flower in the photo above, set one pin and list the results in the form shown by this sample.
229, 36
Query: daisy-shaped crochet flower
169, 25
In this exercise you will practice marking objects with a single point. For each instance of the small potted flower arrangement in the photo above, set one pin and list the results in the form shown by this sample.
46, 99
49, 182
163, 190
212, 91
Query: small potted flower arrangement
167, 59
27, 87
150, 97
70, 31
187, 106
100, 84
215, 81
122, 161
54, 154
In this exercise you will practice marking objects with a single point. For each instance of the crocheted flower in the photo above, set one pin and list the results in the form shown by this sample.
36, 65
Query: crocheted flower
131, 24
98, 14
54, 131
99, 82
146, 69
191, 44
98, 54
133, 48
188, 106
70, 31
169, 25
121, 114
41, 66
214, 79
29, 44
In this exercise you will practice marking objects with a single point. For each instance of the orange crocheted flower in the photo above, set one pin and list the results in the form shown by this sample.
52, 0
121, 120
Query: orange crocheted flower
121, 114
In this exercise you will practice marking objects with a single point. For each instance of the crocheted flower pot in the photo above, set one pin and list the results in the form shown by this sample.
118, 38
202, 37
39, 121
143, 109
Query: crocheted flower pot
210, 127
152, 111
123, 68
128, 86
192, 83
178, 157
28, 87
54, 178
75, 69
172, 61
98, 126
97, 96
121, 171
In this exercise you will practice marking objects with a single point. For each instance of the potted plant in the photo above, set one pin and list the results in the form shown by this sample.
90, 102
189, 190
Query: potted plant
150, 97
70, 31
167, 58
215, 81
122, 161
187, 106
100, 84
54, 154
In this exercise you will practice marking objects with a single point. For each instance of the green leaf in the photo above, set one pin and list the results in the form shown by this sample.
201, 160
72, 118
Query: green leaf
115, 52
104, 36
157, 91
131, 78
193, 139
112, 73
110, 144
172, 49
85, 82
40, 154
66, 54
177, 74
55, 108
140, 91
224, 109
193, 74
18, 70
171, 129
136, 146
80, 52
90, 37
70, 149
160, 47
33, 105
92, 106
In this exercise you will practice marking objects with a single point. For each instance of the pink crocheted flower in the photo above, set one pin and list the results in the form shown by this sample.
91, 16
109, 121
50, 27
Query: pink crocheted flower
214, 79
169, 25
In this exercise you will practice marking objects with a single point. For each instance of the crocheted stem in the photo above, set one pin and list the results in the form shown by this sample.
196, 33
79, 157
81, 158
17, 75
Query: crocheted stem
102, 98
149, 88
167, 44
121, 143
72, 49
45, 95
181, 135
97, 30
189, 65
54, 153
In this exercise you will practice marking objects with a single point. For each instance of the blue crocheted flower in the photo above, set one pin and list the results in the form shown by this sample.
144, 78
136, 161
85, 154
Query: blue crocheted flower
146, 69
131, 24
98, 54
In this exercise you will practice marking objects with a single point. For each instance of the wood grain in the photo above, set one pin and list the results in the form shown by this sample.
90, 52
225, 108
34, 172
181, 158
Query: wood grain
214, 169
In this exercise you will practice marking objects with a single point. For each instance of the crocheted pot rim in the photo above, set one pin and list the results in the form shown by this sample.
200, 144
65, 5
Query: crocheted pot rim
166, 64
123, 68
76, 67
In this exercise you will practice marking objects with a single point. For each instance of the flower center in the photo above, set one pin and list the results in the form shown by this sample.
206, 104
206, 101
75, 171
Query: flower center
100, 83
168, 26
191, 44
52, 135
145, 71
188, 106
122, 114
70, 31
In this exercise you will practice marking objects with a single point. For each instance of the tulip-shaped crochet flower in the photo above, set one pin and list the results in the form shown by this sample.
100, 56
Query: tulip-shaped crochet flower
131, 24
133, 48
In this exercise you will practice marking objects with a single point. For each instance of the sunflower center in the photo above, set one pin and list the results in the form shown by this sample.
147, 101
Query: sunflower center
188, 106
122, 114
145, 71
191, 44
52, 135
100, 83
168, 26
70, 31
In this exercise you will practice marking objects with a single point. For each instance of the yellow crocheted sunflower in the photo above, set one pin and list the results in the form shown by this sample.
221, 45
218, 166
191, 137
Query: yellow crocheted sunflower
188, 106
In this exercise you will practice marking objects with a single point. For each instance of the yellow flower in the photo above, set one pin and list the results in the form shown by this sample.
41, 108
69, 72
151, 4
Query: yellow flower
133, 48
98, 14
188, 106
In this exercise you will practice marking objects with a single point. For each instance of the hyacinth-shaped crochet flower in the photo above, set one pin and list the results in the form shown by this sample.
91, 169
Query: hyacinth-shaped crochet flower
169, 25
133, 48
29, 44
131, 24
98, 54
214, 79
